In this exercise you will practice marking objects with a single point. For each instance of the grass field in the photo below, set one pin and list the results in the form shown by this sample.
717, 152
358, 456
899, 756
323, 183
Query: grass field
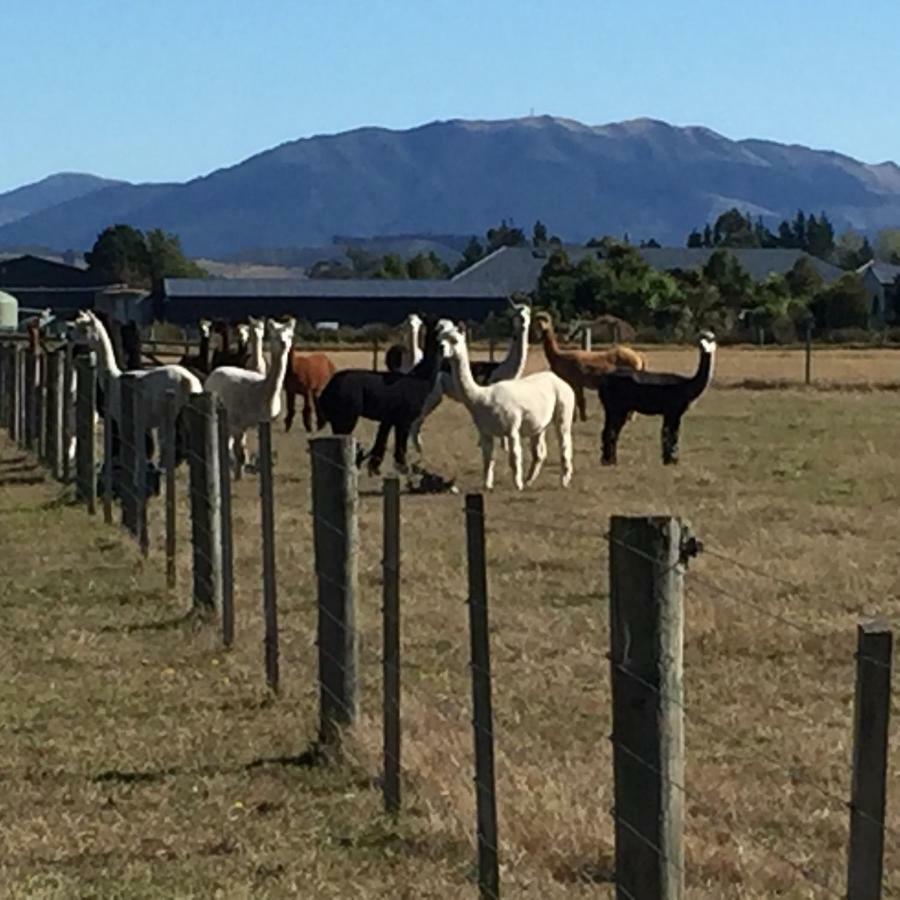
140, 760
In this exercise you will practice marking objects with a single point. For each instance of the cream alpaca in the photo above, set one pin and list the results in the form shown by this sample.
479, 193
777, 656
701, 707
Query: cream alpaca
523, 408
249, 397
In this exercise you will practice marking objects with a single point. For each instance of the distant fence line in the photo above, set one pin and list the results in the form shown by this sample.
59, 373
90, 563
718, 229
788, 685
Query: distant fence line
48, 407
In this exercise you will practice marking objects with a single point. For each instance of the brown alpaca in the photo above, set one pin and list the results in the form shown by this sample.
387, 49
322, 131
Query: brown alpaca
583, 368
306, 375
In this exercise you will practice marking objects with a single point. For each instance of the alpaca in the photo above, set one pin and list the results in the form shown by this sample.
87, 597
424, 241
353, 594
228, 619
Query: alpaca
224, 355
151, 385
249, 397
653, 394
199, 362
394, 400
484, 373
582, 368
307, 376
404, 357
257, 331
514, 409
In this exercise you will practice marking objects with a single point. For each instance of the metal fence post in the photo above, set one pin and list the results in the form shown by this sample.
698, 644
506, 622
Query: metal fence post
646, 652
68, 413
270, 597
482, 713
54, 375
31, 417
336, 540
391, 644
871, 719
126, 471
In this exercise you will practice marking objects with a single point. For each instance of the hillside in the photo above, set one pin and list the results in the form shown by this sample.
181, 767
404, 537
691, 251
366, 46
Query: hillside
643, 177
48, 192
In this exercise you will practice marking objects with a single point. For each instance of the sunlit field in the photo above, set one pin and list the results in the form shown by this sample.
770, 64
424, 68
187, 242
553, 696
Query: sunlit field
139, 759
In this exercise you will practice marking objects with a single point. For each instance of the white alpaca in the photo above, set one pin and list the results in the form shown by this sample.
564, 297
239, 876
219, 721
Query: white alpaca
151, 385
257, 338
412, 352
512, 366
522, 408
249, 397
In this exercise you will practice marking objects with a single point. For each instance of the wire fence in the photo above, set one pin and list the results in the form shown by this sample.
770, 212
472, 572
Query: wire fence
460, 735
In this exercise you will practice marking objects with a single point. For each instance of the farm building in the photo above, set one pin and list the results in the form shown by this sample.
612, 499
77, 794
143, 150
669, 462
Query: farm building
353, 302
41, 283
511, 269
882, 283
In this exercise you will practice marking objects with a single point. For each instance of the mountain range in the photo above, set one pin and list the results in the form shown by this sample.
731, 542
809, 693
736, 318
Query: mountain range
459, 177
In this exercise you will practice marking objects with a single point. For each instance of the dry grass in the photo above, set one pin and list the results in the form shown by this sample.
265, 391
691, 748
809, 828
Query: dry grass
140, 760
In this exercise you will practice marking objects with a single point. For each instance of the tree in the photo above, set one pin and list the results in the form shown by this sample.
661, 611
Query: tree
820, 236
852, 250
734, 229
724, 271
798, 229
120, 254
887, 245
695, 239
505, 235
166, 259
363, 263
392, 267
843, 304
330, 268
707, 236
652, 244
539, 234
471, 254
427, 265
556, 284
803, 279
786, 236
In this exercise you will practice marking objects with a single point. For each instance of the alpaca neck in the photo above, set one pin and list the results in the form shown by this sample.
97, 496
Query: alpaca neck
258, 361
551, 348
412, 338
203, 353
518, 351
469, 389
275, 375
702, 377
106, 359
430, 363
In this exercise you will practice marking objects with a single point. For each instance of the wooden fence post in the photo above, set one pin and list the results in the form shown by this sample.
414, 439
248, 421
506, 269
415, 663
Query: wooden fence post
4, 385
227, 539
483, 718
23, 398
85, 451
68, 417
646, 641
168, 446
54, 373
586, 338
31, 418
870, 745
270, 597
109, 464
391, 644
42, 406
206, 534
336, 540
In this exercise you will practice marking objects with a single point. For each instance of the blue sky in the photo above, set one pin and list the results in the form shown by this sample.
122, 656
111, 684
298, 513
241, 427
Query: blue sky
152, 91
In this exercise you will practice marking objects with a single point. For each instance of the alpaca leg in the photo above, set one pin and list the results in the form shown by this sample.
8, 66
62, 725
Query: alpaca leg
307, 412
376, 457
432, 402
487, 458
515, 459
565, 452
401, 440
538, 455
290, 410
320, 417
240, 456
670, 429
580, 403
612, 425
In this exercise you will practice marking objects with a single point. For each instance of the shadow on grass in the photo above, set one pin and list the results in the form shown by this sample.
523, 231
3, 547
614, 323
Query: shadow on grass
21, 480
312, 757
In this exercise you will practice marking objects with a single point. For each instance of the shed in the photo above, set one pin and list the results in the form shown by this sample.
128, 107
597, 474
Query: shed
9, 312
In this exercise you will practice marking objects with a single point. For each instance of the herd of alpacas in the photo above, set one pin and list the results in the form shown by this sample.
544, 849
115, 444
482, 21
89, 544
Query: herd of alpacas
249, 375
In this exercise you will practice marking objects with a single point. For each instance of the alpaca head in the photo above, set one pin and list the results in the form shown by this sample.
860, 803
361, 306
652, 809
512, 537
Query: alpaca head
543, 322
453, 341
257, 327
281, 336
243, 333
205, 327
521, 321
707, 342
84, 328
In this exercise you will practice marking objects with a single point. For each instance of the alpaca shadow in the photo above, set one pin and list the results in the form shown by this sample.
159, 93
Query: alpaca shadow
14, 460
11, 468
171, 624
21, 480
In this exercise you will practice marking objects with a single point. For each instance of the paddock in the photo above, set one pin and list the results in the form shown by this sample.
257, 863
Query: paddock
139, 757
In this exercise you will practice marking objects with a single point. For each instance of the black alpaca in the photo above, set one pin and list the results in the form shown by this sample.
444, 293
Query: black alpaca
198, 362
224, 355
392, 399
624, 391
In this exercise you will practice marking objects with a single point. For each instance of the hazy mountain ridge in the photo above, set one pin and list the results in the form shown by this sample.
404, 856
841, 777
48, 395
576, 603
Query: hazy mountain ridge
642, 176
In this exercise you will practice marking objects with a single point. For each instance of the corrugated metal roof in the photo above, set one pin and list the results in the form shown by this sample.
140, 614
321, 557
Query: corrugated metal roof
314, 288
886, 273
518, 268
